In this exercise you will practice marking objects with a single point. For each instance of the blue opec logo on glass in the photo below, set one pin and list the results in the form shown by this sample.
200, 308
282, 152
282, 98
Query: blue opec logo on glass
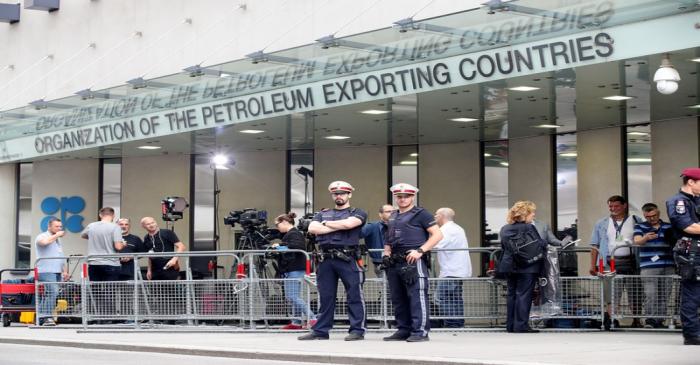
68, 207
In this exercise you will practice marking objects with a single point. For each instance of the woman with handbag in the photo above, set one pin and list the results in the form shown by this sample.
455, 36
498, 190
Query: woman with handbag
522, 264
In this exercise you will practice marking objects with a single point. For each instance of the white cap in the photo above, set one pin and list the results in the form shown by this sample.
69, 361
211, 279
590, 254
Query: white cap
402, 188
336, 186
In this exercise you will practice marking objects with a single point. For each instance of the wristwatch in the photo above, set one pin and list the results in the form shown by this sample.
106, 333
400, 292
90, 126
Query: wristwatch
420, 251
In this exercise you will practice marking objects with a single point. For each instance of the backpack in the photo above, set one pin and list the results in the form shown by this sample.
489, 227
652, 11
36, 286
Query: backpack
527, 246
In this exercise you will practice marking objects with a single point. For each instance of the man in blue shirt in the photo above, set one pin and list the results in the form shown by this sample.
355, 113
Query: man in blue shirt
373, 233
655, 262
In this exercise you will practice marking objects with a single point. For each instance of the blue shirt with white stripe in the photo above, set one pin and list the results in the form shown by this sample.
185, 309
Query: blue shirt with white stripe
655, 253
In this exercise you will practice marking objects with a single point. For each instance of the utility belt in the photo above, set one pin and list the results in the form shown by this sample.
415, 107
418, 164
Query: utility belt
343, 253
686, 253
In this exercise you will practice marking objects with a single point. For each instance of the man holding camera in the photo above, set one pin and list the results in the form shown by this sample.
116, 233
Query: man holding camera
412, 232
684, 212
338, 236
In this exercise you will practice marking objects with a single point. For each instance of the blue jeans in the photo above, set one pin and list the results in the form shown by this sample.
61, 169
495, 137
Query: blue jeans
450, 303
292, 291
47, 302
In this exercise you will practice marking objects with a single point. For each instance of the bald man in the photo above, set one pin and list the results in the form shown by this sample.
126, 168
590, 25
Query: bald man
373, 234
454, 266
161, 240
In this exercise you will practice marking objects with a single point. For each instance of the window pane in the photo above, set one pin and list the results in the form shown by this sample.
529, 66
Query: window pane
24, 216
638, 167
404, 165
112, 184
301, 181
567, 182
203, 214
495, 186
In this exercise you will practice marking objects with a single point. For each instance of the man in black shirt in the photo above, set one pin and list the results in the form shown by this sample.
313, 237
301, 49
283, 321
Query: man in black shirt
159, 240
132, 244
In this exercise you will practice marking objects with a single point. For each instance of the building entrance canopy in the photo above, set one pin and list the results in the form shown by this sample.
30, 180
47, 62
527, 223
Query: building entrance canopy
498, 41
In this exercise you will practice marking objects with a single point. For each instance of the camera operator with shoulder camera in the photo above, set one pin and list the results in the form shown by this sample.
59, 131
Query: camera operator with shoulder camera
292, 265
338, 236
684, 212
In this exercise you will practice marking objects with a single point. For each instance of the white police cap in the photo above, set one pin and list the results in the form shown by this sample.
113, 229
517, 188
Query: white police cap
340, 186
402, 188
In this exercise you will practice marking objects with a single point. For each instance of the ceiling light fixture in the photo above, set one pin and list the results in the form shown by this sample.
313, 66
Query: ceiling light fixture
487, 155
618, 97
639, 159
149, 147
568, 154
414, 154
251, 131
407, 162
666, 77
696, 106
637, 133
696, 59
336, 137
547, 126
504, 163
523, 88
375, 112
463, 119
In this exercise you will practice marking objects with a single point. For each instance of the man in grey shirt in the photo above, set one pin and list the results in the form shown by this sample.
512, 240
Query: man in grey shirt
104, 238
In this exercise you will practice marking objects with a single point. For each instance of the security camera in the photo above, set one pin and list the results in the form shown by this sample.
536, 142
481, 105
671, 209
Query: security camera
666, 77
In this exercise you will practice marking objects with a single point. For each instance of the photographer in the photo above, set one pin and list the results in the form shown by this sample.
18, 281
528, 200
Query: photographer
292, 265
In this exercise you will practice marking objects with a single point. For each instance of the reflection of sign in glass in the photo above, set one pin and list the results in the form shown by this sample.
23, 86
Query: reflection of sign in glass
65, 205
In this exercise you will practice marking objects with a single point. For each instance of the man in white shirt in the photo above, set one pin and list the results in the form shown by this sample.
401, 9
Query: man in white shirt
454, 265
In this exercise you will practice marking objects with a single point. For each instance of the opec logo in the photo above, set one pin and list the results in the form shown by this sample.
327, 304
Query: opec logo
65, 208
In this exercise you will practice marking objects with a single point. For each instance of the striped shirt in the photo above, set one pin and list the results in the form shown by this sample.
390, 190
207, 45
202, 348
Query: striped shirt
655, 253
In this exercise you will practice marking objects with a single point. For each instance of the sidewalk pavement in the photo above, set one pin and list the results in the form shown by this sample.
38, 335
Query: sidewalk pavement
620, 348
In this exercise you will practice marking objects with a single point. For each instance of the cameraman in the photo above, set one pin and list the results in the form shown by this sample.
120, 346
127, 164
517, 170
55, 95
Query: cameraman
684, 214
292, 265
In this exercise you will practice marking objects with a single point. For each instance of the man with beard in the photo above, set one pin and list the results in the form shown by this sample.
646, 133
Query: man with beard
337, 233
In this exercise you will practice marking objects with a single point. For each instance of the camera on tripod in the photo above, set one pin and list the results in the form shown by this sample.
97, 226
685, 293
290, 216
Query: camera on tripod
256, 235
248, 217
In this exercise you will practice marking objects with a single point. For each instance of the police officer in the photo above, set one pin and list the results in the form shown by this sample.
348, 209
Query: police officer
337, 233
684, 213
412, 231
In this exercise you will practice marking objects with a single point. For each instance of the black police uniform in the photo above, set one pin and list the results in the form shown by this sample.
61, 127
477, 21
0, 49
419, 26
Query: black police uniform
339, 254
683, 211
408, 283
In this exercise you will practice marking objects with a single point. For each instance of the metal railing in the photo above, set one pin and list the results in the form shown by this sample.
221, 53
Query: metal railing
252, 296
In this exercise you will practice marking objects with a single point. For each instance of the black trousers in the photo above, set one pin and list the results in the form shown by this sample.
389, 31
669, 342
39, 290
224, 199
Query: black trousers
520, 289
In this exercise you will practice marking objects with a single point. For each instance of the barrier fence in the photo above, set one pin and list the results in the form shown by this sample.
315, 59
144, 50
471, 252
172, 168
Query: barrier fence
252, 297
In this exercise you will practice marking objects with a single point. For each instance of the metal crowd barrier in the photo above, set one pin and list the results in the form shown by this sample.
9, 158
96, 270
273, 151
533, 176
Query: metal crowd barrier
252, 296
69, 296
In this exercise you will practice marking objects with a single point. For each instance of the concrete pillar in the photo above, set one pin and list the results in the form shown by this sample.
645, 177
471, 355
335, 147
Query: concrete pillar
599, 177
675, 144
147, 180
530, 173
8, 220
450, 176
64, 179
365, 168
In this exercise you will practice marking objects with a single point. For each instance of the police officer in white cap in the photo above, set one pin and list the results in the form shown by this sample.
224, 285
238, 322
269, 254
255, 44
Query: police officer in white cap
412, 232
337, 233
